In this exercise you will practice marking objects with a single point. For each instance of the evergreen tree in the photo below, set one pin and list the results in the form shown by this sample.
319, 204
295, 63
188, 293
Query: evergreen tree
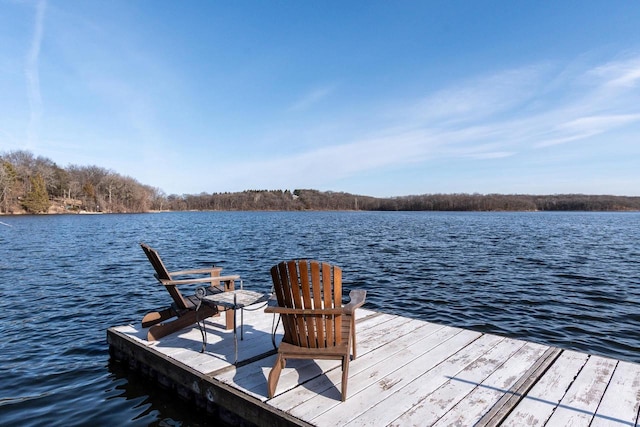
37, 199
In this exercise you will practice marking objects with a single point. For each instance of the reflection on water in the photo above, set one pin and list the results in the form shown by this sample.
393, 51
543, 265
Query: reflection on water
565, 279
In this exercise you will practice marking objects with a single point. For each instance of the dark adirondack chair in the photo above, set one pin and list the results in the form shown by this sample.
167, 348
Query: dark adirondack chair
184, 308
316, 324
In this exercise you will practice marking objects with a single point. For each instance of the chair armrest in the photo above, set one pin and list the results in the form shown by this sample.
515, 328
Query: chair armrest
357, 300
304, 311
196, 271
357, 297
210, 279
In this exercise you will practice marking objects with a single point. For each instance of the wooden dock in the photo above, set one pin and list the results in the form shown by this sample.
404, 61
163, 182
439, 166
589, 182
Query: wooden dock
408, 372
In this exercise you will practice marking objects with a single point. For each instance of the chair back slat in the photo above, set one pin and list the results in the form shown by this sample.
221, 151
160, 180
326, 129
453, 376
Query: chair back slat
280, 277
337, 302
319, 321
295, 291
162, 274
309, 284
309, 336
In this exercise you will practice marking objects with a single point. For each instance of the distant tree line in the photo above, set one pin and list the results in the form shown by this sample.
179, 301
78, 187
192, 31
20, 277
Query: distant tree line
30, 184
509, 202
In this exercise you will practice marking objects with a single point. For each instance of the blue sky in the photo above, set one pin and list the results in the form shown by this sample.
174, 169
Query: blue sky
375, 98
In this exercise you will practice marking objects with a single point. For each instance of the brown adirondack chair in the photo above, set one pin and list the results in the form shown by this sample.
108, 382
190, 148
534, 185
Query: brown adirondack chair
316, 324
184, 308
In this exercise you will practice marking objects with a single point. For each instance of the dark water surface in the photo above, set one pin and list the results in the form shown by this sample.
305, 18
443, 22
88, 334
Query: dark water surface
567, 279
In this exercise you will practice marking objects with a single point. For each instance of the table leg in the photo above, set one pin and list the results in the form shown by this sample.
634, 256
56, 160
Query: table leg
229, 286
235, 336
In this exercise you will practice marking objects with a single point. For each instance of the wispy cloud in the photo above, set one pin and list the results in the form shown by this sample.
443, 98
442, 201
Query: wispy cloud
311, 98
585, 127
481, 97
623, 73
33, 75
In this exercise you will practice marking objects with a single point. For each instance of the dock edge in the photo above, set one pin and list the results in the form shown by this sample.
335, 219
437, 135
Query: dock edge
205, 392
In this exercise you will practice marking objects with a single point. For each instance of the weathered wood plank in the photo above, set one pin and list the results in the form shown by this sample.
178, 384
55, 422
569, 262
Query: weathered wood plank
579, 405
621, 401
510, 399
540, 402
489, 391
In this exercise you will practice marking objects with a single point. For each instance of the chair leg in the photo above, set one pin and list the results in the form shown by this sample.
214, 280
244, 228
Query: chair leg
345, 376
274, 375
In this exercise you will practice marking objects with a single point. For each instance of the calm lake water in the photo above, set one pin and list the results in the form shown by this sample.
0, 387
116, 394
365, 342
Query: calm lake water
567, 279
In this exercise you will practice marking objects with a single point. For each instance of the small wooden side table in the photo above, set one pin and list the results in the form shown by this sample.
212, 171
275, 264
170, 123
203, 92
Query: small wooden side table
236, 300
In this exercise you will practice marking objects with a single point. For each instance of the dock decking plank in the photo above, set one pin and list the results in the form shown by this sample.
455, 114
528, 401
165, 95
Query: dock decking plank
579, 405
621, 401
538, 405
494, 416
487, 392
